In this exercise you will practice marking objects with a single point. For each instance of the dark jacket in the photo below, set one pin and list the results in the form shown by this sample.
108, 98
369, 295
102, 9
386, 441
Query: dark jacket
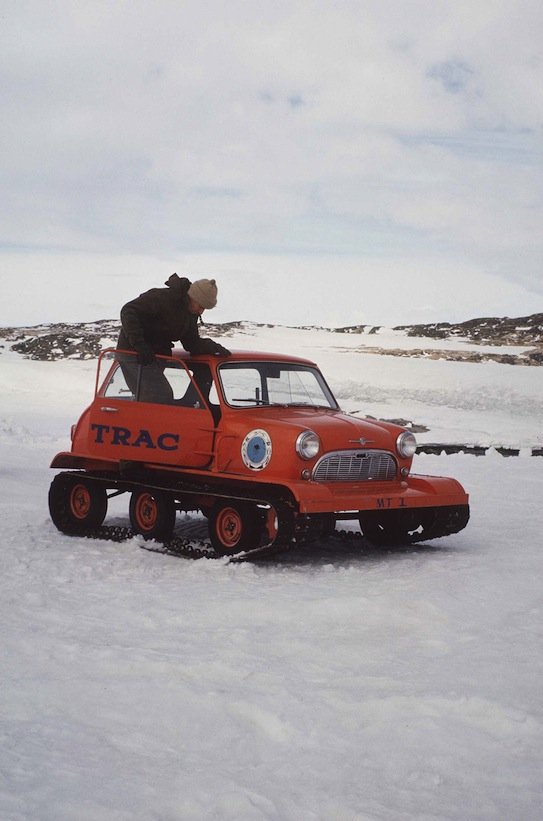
160, 317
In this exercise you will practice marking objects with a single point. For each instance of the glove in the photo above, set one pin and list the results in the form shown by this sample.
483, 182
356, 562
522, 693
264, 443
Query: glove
145, 354
220, 350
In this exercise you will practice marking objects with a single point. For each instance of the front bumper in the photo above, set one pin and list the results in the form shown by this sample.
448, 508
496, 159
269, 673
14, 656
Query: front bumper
415, 492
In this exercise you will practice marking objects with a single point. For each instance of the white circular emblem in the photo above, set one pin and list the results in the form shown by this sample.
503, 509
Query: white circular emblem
256, 449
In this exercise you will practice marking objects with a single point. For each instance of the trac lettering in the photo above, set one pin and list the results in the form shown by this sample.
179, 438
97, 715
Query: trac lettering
116, 435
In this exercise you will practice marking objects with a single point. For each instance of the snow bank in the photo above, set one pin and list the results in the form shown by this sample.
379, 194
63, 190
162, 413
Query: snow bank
339, 682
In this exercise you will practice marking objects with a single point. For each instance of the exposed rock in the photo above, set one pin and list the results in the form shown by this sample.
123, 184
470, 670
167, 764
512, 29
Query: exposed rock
59, 346
532, 357
414, 427
524, 330
84, 340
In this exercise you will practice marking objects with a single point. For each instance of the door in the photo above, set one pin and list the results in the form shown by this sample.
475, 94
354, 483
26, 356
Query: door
153, 413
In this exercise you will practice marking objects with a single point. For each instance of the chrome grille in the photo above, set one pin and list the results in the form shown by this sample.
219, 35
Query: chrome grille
355, 466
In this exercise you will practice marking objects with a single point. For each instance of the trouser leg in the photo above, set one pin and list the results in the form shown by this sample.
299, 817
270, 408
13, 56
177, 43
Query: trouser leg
153, 385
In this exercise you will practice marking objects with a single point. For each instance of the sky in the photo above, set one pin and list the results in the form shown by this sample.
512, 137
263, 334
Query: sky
327, 162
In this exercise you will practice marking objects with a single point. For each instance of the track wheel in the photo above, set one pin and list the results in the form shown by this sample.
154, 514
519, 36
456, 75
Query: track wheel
152, 514
234, 527
77, 504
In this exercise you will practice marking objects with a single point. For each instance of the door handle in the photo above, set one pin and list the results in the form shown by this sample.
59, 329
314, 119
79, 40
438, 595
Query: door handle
107, 409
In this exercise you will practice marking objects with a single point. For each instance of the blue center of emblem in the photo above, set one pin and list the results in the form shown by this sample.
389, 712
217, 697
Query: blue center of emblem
256, 449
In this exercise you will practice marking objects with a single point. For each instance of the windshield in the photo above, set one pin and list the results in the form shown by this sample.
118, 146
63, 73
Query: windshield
247, 384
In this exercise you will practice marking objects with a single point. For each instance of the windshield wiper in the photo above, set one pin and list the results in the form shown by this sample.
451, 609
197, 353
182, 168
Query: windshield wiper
306, 405
282, 404
252, 400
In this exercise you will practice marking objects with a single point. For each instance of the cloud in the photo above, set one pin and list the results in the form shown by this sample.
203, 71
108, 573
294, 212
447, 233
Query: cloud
306, 127
454, 75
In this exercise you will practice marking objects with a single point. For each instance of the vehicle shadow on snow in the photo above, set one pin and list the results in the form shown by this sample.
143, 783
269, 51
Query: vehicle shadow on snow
343, 547
338, 551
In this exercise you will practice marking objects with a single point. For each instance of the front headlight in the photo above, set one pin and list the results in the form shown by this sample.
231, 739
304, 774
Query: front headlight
406, 444
308, 444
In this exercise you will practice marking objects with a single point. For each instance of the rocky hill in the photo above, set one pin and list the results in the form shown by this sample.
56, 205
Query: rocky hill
523, 330
84, 340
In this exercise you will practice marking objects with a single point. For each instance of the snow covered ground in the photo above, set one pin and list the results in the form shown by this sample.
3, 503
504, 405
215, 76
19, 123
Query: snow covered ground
338, 683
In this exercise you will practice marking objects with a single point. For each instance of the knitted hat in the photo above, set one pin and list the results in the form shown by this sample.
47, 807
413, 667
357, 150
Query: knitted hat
204, 292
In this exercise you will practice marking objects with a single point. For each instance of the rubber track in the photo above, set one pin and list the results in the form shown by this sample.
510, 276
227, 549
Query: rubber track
449, 521
178, 546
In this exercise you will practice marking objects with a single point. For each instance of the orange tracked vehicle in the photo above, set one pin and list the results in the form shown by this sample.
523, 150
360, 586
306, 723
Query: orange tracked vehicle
257, 443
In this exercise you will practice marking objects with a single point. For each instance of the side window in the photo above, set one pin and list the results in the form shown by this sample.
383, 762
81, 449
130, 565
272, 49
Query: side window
213, 395
117, 387
162, 383
165, 382
179, 381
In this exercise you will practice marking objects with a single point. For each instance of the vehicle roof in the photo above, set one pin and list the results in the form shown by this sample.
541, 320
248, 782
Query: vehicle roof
246, 356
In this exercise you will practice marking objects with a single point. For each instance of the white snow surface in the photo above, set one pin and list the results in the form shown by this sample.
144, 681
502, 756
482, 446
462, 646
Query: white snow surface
337, 683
